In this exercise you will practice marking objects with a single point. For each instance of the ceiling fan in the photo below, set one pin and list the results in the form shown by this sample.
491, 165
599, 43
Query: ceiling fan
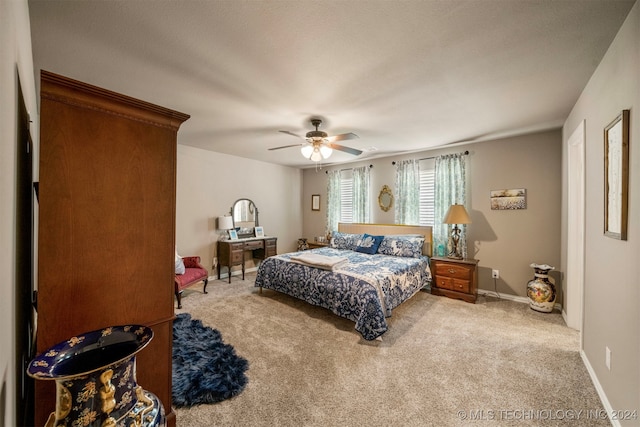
319, 145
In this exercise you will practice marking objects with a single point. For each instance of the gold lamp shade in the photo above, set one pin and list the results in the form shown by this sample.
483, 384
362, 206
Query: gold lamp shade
457, 214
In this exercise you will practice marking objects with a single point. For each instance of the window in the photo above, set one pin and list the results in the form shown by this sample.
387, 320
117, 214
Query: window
427, 193
346, 196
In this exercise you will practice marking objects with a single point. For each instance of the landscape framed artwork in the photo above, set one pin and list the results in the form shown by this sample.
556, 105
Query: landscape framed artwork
509, 199
315, 202
616, 176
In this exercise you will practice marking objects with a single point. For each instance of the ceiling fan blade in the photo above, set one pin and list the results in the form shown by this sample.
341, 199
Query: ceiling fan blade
285, 146
291, 133
349, 150
342, 137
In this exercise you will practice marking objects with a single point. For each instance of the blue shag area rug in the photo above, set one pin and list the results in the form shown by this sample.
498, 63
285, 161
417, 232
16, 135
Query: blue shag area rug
205, 369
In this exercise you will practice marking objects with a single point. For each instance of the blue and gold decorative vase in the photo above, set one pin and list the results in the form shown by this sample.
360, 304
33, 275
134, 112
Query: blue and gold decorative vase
541, 290
95, 375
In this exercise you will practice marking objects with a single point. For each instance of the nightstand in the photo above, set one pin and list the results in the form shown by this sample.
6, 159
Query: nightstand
455, 278
314, 245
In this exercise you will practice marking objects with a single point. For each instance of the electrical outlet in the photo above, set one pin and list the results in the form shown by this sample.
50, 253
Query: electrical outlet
495, 274
607, 357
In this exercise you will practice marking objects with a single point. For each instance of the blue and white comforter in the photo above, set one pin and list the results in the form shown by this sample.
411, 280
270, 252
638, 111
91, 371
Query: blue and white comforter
364, 289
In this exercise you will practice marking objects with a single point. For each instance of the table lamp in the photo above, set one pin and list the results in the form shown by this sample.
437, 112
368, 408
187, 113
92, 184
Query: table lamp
456, 214
225, 223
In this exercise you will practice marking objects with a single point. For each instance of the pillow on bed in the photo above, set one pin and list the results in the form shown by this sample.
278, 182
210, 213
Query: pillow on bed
179, 264
404, 246
345, 240
369, 244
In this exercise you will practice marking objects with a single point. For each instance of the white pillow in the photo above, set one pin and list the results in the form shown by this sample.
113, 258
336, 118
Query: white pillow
179, 263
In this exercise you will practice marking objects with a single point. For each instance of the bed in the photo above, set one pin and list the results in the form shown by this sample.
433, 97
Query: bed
360, 275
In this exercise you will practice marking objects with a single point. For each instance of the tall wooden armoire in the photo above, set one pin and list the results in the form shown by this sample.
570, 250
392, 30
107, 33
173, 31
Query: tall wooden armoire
106, 234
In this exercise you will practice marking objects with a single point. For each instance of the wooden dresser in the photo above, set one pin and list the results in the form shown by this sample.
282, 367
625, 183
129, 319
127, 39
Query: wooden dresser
232, 252
455, 278
106, 239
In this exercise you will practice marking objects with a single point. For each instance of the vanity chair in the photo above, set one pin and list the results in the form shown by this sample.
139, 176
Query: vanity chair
193, 273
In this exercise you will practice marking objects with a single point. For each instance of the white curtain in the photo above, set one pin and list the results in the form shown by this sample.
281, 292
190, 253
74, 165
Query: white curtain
361, 194
450, 188
407, 200
333, 201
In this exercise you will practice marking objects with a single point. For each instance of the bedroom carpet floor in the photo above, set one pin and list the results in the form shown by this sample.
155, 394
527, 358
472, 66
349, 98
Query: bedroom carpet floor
442, 362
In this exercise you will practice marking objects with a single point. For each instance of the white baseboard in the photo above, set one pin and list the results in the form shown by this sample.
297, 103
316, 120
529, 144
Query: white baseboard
516, 298
599, 389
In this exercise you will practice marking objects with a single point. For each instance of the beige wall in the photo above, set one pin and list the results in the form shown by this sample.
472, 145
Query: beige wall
15, 56
612, 268
209, 183
505, 240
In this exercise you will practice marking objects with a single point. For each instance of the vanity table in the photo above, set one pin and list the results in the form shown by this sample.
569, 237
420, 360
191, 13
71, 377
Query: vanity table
232, 252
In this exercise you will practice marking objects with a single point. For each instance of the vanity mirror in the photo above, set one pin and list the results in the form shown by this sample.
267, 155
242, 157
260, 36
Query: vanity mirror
245, 217
385, 198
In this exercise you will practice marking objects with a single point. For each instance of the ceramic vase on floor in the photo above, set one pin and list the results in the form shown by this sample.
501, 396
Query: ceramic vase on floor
541, 290
95, 375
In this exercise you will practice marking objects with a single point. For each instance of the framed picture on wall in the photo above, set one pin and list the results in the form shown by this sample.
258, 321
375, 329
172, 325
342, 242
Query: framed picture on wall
315, 202
616, 176
509, 199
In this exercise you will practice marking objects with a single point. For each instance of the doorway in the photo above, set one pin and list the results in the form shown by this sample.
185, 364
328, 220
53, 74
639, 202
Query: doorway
573, 306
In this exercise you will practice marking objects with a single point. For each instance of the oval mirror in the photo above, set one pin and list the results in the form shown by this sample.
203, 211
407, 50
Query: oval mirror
245, 217
385, 198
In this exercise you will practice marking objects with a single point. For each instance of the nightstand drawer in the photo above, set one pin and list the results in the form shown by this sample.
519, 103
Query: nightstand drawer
454, 270
460, 285
444, 282
452, 284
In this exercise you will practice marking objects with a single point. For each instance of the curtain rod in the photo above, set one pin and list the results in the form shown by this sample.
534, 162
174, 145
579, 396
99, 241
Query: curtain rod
347, 169
466, 153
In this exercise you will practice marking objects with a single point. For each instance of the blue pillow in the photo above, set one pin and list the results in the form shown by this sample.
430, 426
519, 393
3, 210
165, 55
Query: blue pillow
369, 244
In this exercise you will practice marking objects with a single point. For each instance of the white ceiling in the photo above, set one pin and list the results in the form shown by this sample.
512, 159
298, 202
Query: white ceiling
403, 75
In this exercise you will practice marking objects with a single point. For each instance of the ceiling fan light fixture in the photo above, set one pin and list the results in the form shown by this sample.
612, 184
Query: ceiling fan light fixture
307, 150
316, 156
319, 145
325, 151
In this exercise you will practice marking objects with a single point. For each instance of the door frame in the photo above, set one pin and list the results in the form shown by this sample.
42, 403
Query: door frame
573, 306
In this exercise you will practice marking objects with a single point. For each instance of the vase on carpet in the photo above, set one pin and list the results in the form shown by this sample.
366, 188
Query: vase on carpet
95, 375
541, 290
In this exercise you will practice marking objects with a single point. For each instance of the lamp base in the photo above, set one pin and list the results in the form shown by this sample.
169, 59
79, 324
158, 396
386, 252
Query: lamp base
455, 240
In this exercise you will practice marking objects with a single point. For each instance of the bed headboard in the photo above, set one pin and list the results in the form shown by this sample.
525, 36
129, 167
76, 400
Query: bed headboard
388, 229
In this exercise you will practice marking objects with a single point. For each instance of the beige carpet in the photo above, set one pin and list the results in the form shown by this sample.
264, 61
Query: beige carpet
442, 362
